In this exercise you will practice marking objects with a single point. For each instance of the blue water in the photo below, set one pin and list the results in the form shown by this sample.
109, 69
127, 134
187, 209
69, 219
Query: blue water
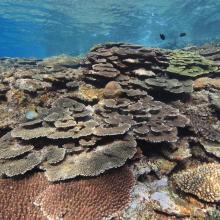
41, 28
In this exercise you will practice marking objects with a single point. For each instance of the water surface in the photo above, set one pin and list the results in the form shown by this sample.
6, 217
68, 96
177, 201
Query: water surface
41, 28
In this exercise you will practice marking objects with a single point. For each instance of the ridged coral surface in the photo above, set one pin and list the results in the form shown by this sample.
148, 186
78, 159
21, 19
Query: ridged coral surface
18, 195
93, 198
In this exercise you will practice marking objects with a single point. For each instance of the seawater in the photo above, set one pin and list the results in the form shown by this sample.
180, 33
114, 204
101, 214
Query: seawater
42, 28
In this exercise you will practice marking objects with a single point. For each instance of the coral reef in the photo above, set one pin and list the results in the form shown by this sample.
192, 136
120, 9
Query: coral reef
109, 131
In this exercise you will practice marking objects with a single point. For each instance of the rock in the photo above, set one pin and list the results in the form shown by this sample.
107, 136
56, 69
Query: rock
112, 90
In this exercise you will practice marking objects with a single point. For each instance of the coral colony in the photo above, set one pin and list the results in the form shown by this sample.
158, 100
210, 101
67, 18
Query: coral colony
125, 132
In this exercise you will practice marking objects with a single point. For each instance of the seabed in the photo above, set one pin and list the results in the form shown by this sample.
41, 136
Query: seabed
125, 132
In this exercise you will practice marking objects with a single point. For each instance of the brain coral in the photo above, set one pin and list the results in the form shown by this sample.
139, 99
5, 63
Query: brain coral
202, 182
93, 198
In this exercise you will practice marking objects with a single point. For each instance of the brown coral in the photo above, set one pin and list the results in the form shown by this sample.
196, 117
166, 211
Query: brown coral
204, 122
79, 123
202, 182
171, 85
10, 148
93, 198
28, 134
18, 195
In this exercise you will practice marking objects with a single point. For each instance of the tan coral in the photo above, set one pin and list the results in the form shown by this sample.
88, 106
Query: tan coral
90, 93
121, 129
21, 166
10, 148
204, 82
54, 154
202, 182
93, 198
27, 134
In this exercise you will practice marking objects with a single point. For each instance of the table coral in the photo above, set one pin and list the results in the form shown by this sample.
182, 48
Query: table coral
94, 162
190, 64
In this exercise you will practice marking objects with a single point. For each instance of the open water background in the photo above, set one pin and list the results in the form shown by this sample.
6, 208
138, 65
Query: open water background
41, 28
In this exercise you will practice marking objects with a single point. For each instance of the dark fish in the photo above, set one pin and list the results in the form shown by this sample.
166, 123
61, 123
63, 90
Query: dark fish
182, 34
162, 37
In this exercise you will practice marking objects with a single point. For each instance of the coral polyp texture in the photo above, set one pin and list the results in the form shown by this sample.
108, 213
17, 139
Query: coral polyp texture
18, 196
202, 181
33, 197
93, 198
78, 119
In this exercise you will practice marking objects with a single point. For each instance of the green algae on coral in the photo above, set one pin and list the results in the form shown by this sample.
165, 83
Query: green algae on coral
189, 64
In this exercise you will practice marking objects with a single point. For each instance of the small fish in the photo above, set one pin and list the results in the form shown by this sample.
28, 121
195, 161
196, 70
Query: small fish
162, 37
182, 34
